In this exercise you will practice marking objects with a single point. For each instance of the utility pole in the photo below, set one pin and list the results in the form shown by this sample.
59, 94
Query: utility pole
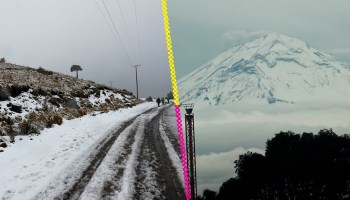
137, 84
111, 83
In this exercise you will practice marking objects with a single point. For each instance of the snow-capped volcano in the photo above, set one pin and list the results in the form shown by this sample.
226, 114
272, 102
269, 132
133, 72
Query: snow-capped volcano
271, 69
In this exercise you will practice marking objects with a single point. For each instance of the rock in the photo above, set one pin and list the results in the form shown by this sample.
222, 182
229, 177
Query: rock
15, 108
97, 93
79, 93
55, 101
102, 87
4, 94
149, 99
71, 103
54, 92
3, 145
37, 92
16, 90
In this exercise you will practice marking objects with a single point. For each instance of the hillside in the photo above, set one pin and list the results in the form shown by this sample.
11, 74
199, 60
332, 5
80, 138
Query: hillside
273, 69
33, 99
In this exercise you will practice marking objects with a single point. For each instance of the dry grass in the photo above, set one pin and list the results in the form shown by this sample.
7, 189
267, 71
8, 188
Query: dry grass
45, 83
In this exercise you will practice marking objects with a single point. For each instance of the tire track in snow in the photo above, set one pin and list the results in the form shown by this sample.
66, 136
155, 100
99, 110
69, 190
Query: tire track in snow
115, 178
104, 183
131, 164
78, 188
149, 185
158, 178
79, 174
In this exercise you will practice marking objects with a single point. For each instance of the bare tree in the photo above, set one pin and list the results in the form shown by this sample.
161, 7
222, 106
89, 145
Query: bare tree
76, 68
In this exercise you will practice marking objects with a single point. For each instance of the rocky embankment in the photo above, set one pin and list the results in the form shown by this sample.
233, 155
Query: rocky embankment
34, 99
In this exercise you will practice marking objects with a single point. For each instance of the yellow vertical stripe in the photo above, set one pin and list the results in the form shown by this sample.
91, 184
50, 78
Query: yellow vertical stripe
170, 52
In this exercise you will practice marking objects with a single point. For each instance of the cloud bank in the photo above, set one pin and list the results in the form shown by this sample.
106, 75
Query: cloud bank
234, 37
215, 168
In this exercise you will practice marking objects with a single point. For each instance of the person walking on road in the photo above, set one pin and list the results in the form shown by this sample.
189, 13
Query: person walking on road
158, 101
163, 100
167, 98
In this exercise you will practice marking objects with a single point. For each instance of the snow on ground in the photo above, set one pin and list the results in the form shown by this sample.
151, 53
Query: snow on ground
174, 157
105, 94
149, 186
170, 116
129, 175
31, 103
106, 172
108, 166
27, 167
26, 100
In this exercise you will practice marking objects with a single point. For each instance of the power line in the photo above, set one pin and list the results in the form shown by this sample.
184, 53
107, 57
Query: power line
137, 29
115, 29
105, 18
126, 28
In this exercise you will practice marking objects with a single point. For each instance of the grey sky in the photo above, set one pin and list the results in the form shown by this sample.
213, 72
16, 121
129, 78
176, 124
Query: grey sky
56, 34
201, 28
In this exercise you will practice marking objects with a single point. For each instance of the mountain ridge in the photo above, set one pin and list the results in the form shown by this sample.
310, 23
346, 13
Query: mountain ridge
272, 69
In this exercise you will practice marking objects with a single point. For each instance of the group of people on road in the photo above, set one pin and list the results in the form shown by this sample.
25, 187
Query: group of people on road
162, 100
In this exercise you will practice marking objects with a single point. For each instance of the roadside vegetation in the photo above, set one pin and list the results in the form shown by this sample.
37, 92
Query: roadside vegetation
34, 99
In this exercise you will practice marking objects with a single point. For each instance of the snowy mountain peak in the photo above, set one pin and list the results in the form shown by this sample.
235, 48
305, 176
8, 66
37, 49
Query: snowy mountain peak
277, 41
272, 69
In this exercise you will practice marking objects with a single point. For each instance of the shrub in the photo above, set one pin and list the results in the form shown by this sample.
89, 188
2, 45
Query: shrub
57, 119
25, 127
82, 112
49, 122
44, 71
32, 116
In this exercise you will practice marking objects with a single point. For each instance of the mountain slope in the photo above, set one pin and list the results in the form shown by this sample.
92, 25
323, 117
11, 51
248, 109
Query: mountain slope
33, 99
271, 69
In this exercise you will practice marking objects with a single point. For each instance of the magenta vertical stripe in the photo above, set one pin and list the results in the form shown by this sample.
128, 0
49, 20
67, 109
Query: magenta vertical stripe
183, 151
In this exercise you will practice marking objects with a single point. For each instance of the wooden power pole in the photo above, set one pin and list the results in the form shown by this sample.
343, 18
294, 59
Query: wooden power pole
137, 84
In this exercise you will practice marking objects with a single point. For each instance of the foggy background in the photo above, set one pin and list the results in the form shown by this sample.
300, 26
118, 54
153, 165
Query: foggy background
57, 34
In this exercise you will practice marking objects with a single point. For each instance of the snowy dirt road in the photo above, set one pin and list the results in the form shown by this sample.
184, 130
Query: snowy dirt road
132, 164
95, 157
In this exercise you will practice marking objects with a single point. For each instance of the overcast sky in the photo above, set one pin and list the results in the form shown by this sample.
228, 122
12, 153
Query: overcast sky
201, 29
56, 34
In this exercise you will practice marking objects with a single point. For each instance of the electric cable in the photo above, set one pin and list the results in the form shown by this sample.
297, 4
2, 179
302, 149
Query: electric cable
138, 34
126, 28
115, 29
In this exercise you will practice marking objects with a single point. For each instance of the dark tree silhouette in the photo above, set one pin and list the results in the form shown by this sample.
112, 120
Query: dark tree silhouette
170, 95
76, 68
295, 166
2, 60
209, 195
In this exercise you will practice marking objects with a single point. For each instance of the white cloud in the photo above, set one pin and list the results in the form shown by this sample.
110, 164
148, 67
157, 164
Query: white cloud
242, 36
340, 50
312, 115
215, 168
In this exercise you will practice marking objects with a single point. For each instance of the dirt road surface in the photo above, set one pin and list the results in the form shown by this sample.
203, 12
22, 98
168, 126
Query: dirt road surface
133, 163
